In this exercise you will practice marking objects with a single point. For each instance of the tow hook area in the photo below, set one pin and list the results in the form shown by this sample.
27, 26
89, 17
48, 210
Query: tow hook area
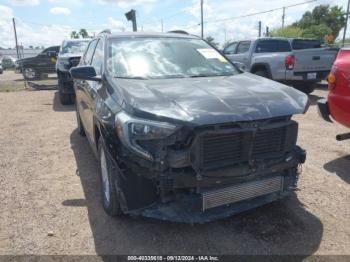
343, 137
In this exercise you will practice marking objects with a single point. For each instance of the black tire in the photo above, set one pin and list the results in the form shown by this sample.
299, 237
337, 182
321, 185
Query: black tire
81, 129
305, 87
262, 72
66, 99
110, 200
30, 74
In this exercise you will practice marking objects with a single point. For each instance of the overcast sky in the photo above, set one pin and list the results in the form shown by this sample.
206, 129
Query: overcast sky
48, 22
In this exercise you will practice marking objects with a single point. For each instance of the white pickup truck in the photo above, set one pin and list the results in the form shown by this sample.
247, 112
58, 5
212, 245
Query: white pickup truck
297, 62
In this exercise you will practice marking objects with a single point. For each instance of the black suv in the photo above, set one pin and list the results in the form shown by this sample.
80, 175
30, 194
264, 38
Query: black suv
181, 134
33, 68
68, 57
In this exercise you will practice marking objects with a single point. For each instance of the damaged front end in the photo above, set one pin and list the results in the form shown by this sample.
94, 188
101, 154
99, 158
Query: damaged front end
195, 174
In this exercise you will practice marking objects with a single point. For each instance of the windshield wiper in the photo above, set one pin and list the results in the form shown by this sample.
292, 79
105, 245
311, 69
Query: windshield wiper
132, 77
208, 75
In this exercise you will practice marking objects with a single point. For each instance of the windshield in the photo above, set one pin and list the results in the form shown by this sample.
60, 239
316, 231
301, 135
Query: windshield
74, 47
165, 58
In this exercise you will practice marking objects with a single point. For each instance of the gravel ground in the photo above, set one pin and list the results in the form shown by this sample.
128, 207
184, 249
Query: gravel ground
50, 202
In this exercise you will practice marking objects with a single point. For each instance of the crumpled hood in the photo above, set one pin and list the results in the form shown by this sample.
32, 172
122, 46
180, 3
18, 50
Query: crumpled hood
210, 100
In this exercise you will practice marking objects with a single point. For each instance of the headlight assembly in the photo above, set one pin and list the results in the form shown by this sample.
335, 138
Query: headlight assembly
130, 130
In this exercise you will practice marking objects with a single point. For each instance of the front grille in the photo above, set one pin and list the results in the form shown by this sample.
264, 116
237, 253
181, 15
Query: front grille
269, 141
220, 148
233, 194
225, 150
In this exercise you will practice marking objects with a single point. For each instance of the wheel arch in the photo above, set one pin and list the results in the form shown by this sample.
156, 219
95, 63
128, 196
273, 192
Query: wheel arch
263, 66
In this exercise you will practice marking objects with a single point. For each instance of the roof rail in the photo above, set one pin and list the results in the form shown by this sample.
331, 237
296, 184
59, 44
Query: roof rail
179, 32
106, 31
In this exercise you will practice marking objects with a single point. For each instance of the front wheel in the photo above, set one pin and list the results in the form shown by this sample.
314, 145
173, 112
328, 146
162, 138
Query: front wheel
81, 129
109, 194
66, 99
30, 74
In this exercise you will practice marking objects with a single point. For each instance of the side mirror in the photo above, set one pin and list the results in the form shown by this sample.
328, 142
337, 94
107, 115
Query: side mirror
240, 66
84, 73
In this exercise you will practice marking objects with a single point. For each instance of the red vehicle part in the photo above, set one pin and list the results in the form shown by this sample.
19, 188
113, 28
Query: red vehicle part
339, 88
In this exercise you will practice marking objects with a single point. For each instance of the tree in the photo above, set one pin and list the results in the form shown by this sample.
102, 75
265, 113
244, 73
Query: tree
317, 31
74, 35
289, 31
331, 17
84, 33
211, 41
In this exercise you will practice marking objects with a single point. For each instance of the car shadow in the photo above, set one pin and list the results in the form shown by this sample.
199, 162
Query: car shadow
58, 107
283, 227
340, 167
314, 98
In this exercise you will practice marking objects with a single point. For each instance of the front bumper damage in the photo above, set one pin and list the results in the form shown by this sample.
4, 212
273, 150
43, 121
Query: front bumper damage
180, 187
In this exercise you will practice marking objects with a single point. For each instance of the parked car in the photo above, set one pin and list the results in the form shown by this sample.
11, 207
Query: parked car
8, 62
338, 103
1, 68
33, 68
68, 57
180, 132
297, 62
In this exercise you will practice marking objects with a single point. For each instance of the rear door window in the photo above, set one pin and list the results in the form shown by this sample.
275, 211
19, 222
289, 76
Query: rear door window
272, 46
266, 46
243, 47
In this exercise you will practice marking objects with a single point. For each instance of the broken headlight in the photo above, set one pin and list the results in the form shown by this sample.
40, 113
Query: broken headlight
130, 130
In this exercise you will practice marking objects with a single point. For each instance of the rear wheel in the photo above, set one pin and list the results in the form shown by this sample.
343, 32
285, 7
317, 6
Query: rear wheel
305, 87
109, 194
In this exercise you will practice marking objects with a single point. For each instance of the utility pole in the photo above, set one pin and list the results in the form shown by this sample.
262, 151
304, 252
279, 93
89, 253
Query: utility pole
259, 28
162, 25
346, 22
202, 27
283, 16
131, 16
14, 29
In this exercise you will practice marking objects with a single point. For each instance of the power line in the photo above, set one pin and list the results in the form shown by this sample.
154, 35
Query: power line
258, 13
251, 14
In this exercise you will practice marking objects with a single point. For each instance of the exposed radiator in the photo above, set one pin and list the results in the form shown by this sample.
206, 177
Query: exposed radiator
232, 194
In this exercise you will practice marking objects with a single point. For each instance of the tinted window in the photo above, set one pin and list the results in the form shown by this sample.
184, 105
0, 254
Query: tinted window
51, 49
284, 46
97, 60
230, 49
89, 52
266, 46
243, 47
165, 58
305, 44
271, 46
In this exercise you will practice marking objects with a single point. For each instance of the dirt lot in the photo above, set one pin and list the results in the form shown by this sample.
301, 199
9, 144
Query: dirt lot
49, 186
